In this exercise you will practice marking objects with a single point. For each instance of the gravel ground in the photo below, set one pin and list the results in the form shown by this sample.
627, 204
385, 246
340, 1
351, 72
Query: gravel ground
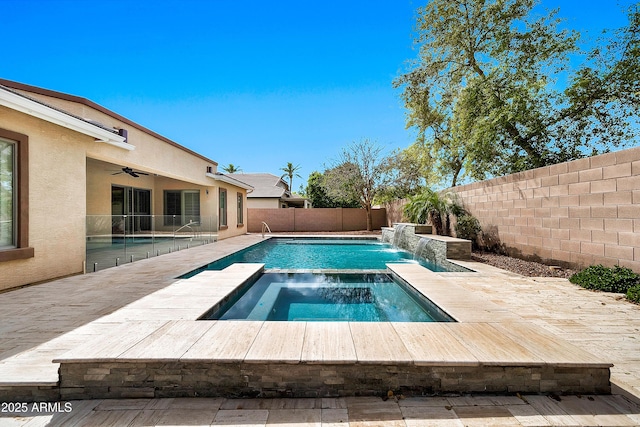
525, 268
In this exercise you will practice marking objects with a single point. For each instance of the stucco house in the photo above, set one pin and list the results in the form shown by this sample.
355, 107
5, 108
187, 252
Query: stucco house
71, 169
270, 191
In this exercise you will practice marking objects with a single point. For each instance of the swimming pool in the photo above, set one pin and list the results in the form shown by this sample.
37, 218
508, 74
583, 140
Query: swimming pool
320, 253
328, 297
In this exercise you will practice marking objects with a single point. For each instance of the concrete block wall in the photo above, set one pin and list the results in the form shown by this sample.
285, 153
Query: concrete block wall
576, 214
316, 219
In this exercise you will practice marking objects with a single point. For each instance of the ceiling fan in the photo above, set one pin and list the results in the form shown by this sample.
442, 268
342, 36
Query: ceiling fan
131, 172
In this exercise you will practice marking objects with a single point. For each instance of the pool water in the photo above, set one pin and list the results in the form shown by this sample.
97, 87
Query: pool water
318, 253
328, 297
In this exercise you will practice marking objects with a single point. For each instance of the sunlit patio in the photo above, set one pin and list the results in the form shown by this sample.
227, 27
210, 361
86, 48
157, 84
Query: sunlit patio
54, 320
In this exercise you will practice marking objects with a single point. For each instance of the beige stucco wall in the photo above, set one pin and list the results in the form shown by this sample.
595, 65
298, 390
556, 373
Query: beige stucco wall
233, 228
70, 176
57, 204
264, 203
100, 181
175, 169
151, 154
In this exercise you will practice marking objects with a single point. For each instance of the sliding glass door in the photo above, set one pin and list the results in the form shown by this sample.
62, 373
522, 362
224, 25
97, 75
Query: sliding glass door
135, 203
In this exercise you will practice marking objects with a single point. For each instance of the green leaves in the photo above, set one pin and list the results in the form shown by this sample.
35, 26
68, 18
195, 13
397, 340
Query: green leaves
290, 171
435, 208
231, 168
317, 193
633, 294
483, 98
468, 227
600, 278
616, 279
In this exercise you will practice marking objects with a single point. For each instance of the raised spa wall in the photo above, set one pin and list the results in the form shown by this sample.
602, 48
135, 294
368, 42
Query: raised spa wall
417, 239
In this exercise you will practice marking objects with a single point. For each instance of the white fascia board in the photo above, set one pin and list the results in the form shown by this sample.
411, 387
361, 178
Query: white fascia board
35, 109
228, 180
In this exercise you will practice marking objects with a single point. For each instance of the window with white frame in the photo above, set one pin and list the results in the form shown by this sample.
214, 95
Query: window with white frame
184, 205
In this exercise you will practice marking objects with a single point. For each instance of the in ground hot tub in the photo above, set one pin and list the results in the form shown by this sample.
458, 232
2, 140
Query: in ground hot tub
328, 297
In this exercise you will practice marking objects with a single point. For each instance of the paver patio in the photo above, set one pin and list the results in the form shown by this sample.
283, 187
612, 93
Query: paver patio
35, 319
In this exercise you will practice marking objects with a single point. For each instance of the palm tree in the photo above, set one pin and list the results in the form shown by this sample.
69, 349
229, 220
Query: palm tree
231, 168
435, 208
290, 171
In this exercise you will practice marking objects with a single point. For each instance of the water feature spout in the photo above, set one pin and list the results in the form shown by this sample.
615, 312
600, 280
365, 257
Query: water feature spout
397, 234
422, 244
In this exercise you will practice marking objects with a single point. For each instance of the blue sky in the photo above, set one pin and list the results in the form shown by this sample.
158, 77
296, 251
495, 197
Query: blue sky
253, 83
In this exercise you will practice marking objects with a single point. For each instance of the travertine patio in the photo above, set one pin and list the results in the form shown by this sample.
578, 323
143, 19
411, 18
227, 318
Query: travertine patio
494, 307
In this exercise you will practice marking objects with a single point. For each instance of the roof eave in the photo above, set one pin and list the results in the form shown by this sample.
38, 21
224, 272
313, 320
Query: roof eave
19, 103
227, 179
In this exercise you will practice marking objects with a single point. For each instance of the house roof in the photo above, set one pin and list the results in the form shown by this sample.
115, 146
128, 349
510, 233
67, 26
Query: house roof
18, 101
230, 180
8, 84
265, 185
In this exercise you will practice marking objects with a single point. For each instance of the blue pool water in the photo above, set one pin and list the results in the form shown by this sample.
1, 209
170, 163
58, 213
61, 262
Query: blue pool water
318, 253
328, 297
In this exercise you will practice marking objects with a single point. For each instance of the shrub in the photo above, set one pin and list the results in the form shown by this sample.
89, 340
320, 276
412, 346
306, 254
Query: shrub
468, 227
435, 208
597, 277
633, 294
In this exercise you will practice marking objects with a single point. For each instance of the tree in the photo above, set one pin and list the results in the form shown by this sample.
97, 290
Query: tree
611, 80
231, 168
358, 174
405, 173
435, 208
483, 92
290, 171
316, 192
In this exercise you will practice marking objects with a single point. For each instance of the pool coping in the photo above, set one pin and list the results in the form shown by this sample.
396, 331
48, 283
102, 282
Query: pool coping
213, 287
45, 373
161, 329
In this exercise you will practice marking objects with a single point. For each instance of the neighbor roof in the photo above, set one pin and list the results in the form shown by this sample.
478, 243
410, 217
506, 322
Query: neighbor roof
265, 185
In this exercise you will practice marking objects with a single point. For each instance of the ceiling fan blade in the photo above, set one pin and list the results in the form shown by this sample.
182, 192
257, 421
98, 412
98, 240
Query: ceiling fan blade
129, 171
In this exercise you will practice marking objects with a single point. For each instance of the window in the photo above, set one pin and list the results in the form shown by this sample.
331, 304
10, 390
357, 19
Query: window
135, 203
223, 207
8, 193
191, 204
183, 204
240, 210
14, 196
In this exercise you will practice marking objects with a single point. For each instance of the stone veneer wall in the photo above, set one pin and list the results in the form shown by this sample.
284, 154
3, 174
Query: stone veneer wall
438, 249
576, 214
104, 380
